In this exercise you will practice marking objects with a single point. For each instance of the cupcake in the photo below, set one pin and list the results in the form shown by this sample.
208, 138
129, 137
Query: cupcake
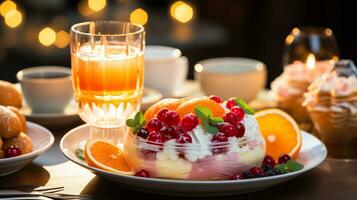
291, 85
331, 102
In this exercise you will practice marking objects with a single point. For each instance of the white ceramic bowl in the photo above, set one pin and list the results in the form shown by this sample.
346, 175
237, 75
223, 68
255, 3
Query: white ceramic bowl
42, 140
231, 77
312, 153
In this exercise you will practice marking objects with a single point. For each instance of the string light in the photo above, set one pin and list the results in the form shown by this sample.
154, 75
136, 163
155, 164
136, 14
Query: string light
62, 39
139, 16
47, 36
181, 11
6, 7
97, 5
13, 18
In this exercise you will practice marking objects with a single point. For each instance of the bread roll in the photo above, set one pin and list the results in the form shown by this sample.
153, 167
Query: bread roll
22, 118
10, 123
9, 95
22, 141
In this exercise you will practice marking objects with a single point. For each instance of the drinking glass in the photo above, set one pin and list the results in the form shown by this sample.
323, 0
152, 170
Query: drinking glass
304, 41
107, 59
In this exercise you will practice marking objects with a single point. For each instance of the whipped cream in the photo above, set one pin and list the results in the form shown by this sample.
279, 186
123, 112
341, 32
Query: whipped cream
333, 86
201, 142
298, 72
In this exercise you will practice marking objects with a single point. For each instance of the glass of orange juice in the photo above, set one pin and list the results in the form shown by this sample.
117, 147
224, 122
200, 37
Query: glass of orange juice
107, 59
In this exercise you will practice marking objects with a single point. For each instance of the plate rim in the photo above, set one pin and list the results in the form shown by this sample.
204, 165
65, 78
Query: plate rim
36, 152
192, 182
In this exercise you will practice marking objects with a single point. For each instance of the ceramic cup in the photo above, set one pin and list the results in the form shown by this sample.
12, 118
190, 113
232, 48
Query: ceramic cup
47, 89
231, 77
165, 69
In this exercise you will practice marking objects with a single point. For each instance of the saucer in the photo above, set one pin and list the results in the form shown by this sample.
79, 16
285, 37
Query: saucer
313, 152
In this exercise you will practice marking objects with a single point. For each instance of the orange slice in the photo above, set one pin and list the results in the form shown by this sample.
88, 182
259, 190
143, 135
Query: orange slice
106, 156
281, 132
189, 106
169, 103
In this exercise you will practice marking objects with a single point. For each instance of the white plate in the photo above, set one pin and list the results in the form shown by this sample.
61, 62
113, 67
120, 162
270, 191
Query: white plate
42, 140
312, 153
70, 114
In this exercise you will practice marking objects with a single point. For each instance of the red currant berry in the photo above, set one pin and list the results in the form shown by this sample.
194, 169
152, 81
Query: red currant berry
154, 125
188, 122
12, 151
229, 130
257, 171
230, 103
216, 98
269, 161
219, 137
184, 138
284, 158
143, 173
162, 114
236, 177
155, 137
172, 118
143, 133
241, 130
239, 111
169, 133
231, 118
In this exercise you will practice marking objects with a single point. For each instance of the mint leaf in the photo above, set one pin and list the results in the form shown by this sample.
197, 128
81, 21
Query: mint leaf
293, 165
203, 112
208, 127
80, 154
216, 120
241, 103
131, 123
282, 168
139, 118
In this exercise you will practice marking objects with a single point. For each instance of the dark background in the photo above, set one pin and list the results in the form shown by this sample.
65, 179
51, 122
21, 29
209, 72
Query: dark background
242, 28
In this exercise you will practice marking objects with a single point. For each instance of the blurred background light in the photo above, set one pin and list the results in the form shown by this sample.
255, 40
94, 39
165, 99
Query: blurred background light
97, 5
13, 18
181, 11
7, 6
47, 36
62, 39
139, 16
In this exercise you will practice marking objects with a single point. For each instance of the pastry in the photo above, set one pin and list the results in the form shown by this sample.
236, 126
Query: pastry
331, 101
9, 95
10, 124
290, 86
1, 152
21, 117
22, 141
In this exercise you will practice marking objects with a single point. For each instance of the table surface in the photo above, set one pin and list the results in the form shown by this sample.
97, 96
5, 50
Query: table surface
333, 179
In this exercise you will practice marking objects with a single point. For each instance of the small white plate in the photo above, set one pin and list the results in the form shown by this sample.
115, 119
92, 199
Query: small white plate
42, 140
312, 153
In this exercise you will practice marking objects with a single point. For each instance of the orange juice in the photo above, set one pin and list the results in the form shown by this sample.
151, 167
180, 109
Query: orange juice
108, 81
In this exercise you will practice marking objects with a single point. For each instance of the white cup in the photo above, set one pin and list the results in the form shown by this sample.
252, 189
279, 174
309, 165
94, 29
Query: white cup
47, 89
165, 69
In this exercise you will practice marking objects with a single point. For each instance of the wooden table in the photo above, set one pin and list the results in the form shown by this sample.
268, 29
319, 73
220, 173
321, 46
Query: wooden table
334, 179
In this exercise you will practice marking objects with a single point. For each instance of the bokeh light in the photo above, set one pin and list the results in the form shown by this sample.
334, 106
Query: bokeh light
13, 18
181, 11
62, 39
97, 5
47, 36
139, 16
6, 7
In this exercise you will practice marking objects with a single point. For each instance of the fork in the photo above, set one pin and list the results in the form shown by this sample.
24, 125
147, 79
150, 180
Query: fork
50, 194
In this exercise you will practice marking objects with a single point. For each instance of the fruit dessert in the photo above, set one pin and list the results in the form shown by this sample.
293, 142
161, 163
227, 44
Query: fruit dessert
194, 139
291, 85
331, 101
